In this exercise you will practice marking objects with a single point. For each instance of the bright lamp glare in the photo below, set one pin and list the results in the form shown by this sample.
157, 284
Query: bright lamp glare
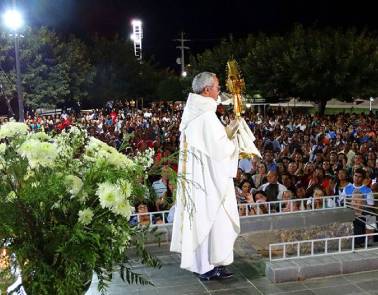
13, 19
184, 74
135, 38
136, 22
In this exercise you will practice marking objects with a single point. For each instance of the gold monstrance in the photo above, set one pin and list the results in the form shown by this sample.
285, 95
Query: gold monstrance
235, 85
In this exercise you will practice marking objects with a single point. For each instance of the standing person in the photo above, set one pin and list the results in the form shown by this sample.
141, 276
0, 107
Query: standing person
358, 179
206, 220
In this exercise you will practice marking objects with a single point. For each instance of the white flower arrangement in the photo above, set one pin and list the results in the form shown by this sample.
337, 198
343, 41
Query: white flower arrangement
66, 204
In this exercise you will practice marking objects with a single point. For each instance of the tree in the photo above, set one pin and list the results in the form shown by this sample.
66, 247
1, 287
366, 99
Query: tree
316, 65
311, 64
81, 73
52, 71
215, 59
119, 74
171, 88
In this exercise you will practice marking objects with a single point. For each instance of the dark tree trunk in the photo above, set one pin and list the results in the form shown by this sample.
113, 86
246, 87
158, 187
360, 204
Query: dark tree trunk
322, 105
9, 107
10, 110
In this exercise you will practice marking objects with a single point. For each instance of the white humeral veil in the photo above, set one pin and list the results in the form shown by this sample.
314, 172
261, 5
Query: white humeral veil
206, 220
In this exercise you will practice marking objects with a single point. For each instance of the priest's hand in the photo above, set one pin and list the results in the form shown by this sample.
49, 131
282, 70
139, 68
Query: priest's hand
232, 128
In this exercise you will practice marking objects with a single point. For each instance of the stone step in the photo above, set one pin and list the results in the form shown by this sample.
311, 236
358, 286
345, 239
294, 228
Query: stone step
321, 266
298, 220
262, 224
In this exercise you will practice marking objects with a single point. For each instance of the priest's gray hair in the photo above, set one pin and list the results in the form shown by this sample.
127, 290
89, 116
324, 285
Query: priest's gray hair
202, 80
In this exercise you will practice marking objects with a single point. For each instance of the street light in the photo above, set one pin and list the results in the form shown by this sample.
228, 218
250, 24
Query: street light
137, 37
370, 102
13, 20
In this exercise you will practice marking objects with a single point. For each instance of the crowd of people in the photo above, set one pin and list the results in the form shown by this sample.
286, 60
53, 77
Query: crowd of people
304, 155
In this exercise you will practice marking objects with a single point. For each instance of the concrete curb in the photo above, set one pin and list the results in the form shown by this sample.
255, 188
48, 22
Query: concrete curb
321, 266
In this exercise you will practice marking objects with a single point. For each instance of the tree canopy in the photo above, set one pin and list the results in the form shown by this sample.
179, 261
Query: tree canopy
307, 63
310, 64
53, 70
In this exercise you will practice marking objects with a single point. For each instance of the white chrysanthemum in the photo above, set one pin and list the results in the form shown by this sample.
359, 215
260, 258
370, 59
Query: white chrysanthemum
74, 183
126, 188
119, 160
40, 136
12, 129
39, 153
94, 145
99, 151
3, 147
123, 208
85, 216
109, 194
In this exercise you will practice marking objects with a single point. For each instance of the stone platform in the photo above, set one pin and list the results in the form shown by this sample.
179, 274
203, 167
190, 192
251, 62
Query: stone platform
250, 261
312, 267
249, 278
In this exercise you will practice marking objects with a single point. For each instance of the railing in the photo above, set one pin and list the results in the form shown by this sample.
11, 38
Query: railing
156, 218
159, 218
289, 206
326, 246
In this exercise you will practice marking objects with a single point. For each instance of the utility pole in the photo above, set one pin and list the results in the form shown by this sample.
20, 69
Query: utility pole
182, 47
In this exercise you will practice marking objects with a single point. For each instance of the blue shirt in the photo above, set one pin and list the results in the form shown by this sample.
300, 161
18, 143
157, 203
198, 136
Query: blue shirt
365, 191
159, 188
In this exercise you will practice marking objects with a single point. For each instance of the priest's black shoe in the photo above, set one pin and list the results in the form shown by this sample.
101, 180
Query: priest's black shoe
218, 273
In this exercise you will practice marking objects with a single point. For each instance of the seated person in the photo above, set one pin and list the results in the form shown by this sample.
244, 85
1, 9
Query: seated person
244, 194
316, 201
142, 216
300, 191
287, 205
273, 189
259, 205
242, 209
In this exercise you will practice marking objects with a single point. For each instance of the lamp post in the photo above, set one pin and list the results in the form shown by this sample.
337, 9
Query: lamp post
14, 21
370, 102
137, 37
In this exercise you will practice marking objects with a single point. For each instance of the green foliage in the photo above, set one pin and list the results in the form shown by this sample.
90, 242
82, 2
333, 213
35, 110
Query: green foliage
215, 60
53, 71
118, 74
56, 70
171, 88
311, 64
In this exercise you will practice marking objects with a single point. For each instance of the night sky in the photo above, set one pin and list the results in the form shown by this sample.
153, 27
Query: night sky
205, 22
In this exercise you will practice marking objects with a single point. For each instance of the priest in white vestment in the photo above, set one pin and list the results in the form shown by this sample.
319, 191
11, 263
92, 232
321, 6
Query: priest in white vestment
206, 220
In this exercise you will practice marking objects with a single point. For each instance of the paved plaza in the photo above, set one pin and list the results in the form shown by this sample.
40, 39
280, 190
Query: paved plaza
249, 278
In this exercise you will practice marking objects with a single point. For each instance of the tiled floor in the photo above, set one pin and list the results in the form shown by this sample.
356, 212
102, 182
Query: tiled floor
248, 278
